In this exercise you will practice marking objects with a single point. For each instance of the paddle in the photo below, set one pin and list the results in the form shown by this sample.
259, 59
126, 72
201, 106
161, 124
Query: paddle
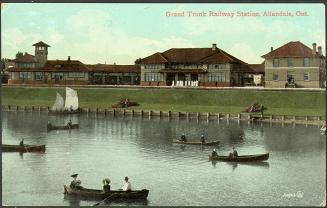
104, 199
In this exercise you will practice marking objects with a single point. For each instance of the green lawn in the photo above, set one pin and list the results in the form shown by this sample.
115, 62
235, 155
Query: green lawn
186, 100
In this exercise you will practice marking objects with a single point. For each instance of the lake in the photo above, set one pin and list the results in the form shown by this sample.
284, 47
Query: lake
176, 175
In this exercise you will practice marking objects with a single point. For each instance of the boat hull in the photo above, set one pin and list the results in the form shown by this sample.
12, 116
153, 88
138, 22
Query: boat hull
99, 194
25, 148
243, 158
197, 143
74, 126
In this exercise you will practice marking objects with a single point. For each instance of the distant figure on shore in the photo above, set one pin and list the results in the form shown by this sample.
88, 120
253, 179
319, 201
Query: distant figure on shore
202, 139
127, 185
21, 143
214, 153
70, 124
106, 185
126, 101
183, 138
75, 184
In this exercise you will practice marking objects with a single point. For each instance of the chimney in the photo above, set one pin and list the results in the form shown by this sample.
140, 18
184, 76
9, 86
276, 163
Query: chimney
68, 59
319, 51
314, 48
214, 46
271, 49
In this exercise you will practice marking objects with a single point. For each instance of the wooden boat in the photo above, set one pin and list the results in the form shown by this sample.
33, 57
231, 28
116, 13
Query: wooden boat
197, 143
242, 158
73, 126
25, 148
100, 194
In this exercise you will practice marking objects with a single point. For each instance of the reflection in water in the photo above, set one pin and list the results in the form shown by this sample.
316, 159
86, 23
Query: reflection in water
142, 149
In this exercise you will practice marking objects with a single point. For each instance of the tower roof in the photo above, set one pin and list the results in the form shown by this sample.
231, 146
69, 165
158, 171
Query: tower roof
41, 44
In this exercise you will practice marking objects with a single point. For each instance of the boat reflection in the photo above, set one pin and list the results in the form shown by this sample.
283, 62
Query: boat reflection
235, 164
74, 201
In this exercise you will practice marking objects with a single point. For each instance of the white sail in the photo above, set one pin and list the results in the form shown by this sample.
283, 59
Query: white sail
71, 99
59, 103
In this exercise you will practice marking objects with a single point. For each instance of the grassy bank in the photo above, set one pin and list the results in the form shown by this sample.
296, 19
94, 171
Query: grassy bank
191, 100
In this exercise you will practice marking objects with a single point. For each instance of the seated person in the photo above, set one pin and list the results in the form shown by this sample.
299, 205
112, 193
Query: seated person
127, 185
70, 124
235, 154
21, 143
106, 186
202, 139
183, 138
75, 184
214, 153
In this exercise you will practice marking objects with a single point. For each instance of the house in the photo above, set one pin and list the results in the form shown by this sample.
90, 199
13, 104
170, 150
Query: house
106, 74
207, 66
295, 65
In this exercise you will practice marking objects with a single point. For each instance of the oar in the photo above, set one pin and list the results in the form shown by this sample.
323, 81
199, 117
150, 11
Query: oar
104, 199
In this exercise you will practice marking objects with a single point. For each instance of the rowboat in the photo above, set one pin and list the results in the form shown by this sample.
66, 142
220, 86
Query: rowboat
25, 148
100, 194
73, 126
197, 143
242, 158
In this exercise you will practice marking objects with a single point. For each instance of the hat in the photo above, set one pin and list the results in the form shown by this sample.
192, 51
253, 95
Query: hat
214, 149
106, 180
74, 175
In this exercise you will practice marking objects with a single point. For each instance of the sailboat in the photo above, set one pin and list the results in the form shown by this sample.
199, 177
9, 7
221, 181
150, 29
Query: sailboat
70, 105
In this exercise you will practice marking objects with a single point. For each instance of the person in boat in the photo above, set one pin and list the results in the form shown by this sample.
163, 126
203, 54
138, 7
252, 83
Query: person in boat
70, 124
202, 139
126, 186
106, 186
183, 138
21, 143
75, 184
214, 153
235, 154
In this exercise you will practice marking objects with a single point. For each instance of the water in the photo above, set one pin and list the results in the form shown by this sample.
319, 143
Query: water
142, 149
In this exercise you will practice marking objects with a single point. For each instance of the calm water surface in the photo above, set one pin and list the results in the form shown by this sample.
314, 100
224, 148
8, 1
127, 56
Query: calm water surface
142, 149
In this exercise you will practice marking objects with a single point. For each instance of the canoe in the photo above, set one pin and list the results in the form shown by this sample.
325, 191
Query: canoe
100, 194
25, 148
50, 127
197, 143
242, 158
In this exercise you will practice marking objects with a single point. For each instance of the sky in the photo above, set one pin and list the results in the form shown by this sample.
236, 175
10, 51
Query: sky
121, 33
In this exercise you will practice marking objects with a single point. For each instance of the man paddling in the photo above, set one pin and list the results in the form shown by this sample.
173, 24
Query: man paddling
202, 139
183, 138
21, 143
70, 124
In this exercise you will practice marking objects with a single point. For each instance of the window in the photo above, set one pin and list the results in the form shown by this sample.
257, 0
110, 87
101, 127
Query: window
23, 75
57, 75
306, 62
151, 77
289, 62
276, 62
275, 76
39, 75
306, 75
216, 77
76, 74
